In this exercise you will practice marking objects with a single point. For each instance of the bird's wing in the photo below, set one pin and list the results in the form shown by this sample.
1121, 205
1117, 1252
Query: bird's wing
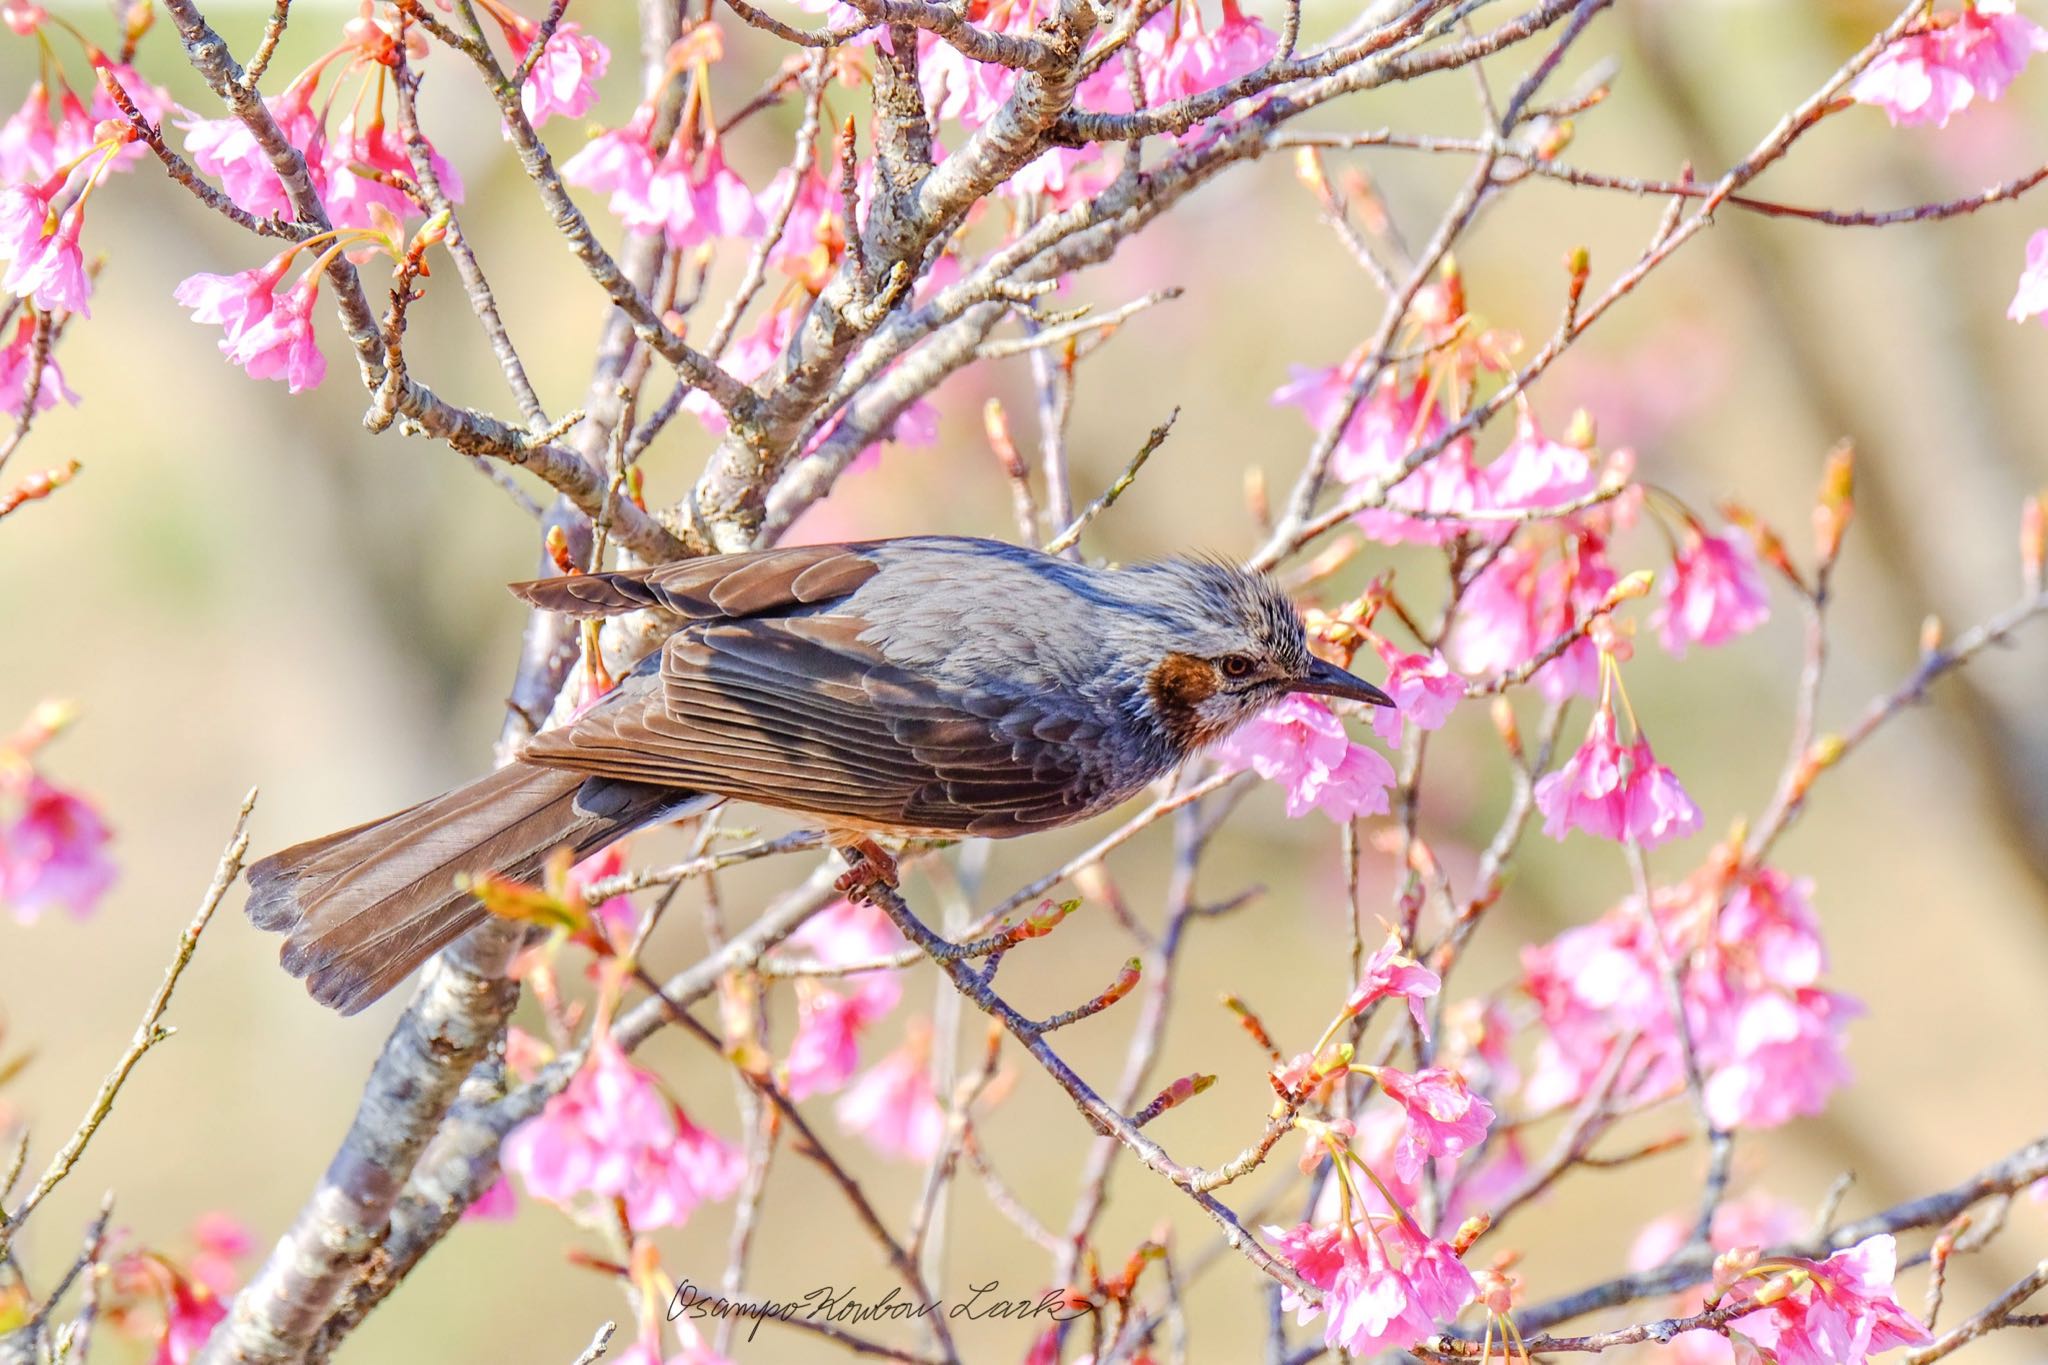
798, 712
714, 587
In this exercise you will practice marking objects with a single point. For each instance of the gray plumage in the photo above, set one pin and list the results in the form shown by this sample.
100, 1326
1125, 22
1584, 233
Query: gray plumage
929, 685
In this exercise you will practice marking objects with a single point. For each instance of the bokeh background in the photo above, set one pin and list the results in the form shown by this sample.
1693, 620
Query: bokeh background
244, 588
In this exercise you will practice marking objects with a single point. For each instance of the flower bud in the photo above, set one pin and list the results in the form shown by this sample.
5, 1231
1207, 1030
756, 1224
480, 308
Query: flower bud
1552, 137
2033, 544
1308, 169
1837, 503
1631, 587
1504, 724
1175, 1095
558, 551
1931, 634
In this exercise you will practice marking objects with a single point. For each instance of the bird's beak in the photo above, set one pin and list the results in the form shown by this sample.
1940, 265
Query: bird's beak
1327, 680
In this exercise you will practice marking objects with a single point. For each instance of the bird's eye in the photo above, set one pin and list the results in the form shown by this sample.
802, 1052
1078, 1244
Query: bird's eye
1237, 665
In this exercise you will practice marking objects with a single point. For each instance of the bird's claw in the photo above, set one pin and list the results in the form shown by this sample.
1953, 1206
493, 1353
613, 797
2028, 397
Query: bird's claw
869, 866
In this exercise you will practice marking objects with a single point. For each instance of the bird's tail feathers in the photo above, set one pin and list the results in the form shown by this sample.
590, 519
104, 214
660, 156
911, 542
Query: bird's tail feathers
362, 908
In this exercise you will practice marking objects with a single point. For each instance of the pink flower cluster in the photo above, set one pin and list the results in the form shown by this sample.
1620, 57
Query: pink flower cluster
188, 1299
17, 359
1399, 418
1754, 1221
1180, 54
1529, 597
1840, 1311
612, 1133
1391, 972
1933, 74
894, 1106
50, 165
1445, 1118
684, 190
225, 148
1769, 1037
1302, 745
826, 1049
1615, 792
1714, 593
54, 851
1424, 689
1384, 1291
269, 336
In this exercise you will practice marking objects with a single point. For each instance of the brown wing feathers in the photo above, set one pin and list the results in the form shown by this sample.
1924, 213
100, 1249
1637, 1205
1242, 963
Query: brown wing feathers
800, 713
716, 587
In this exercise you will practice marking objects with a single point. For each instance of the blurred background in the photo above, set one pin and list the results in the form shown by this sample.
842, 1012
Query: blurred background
245, 588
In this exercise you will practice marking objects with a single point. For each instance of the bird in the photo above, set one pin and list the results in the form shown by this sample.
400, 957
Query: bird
926, 686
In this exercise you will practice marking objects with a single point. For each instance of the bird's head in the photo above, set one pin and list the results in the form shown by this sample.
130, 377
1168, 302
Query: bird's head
1238, 647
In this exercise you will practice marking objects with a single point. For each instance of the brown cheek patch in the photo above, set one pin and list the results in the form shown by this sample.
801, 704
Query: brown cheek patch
1179, 686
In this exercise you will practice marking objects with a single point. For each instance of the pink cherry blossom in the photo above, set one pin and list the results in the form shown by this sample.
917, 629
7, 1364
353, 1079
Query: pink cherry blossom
1445, 1117
1767, 922
1658, 806
956, 87
28, 140
234, 302
1715, 593
894, 1107
1990, 43
352, 197
16, 359
1914, 81
1754, 1220
845, 933
825, 1051
280, 344
191, 1312
1615, 792
1768, 1037
617, 162
814, 236
612, 1133
649, 1350
219, 1240
54, 853
1425, 692
2030, 300
1524, 601
1786, 1059
616, 912
498, 1204
1536, 471
1372, 1305
1589, 790
1929, 76
1390, 972
269, 335
687, 195
225, 149
23, 17
1302, 745
1841, 1312
1196, 59
1064, 176
1389, 426
49, 269
564, 79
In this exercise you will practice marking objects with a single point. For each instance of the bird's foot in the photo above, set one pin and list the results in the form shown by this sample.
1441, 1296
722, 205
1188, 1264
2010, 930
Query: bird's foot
869, 866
